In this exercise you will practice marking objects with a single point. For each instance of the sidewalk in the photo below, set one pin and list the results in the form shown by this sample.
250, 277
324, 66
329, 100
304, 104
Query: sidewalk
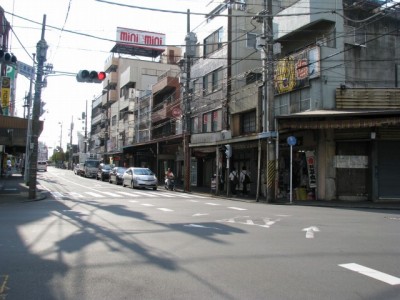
340, 204
13, 189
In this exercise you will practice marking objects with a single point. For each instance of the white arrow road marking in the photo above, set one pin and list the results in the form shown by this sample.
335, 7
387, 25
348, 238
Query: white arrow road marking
199, 215
237, 208
164, 209
310, 231
201, 226
389, 279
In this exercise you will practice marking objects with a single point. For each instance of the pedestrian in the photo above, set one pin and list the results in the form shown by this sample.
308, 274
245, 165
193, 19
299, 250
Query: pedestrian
234, 180
244, 180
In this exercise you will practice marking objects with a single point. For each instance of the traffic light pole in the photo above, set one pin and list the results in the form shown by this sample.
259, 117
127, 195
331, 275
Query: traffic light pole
41, 52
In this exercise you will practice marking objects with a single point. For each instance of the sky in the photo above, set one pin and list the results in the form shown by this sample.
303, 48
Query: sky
68, 52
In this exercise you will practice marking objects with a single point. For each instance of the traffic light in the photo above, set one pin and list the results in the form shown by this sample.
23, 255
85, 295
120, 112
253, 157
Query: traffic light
228, 151
90, 76
8, 58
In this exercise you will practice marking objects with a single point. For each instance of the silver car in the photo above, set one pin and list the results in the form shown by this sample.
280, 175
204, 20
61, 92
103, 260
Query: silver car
139, 178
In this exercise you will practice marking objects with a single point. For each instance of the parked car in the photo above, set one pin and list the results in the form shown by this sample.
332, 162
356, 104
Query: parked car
42, 166
104, 172
76, 169
139, 178
116, 175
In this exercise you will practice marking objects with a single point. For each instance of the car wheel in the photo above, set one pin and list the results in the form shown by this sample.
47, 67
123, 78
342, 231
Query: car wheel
154, 188
132, 185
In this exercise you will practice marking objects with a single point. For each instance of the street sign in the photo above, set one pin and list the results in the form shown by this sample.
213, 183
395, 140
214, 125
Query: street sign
26, 70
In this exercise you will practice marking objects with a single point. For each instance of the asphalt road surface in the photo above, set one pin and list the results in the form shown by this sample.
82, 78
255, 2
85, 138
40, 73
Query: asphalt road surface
94, 240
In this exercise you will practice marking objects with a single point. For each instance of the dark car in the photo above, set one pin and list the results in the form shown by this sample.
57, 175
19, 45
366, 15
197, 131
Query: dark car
104, 172
116, 175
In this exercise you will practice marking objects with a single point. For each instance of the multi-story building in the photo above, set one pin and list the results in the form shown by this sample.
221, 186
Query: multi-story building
135, 110
225, 104
336, 92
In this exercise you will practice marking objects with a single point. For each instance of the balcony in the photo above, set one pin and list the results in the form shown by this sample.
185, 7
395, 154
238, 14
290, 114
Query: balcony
111, 64
367, 98
159, 114
110, 97
167, 82
308, 13
111, 81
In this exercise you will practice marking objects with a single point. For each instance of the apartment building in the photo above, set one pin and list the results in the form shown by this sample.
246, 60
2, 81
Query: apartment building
134, 110
337, 93
225, 104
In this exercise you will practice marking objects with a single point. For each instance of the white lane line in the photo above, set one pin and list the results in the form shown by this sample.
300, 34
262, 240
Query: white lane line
389, 279
114, 195
57, 194
142, 193
164, 209
133, 201
94, 195
147, 204
237, 208
210, 203
75, 195
128, 194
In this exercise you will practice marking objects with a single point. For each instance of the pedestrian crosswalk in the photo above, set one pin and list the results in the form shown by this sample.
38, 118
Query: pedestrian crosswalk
121, 194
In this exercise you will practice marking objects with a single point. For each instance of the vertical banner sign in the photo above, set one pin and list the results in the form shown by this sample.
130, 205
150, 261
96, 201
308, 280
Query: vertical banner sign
312, 177
5, 94
10, 72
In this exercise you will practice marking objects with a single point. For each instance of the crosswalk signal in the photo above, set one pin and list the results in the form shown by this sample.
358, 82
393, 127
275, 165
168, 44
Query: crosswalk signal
90, 76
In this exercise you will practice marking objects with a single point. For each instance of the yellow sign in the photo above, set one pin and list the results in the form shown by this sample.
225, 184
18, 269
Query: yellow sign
5, 97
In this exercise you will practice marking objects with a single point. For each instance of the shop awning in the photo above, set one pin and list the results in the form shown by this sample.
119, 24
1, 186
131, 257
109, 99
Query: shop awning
330, 119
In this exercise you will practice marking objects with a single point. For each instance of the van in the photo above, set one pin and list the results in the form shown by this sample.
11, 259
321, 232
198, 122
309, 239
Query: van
42, 166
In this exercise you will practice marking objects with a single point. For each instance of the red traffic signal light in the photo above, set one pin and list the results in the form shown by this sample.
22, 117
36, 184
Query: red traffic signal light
90, 76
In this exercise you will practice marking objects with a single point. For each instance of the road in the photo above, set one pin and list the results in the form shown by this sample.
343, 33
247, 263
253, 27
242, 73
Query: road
94, 240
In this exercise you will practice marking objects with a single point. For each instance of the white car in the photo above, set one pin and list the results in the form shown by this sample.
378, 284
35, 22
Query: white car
42, 166
139, 178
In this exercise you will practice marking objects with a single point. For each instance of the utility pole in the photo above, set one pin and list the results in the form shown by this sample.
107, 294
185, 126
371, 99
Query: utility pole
190, 40
85, 140
70, 142
29, 130
61, 126
41, 52
266, 43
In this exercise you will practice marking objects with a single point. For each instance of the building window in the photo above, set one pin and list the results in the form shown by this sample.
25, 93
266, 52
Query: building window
212, 82
251, 41
253, 77
114, 120
212, 121
195, 125
213, 42
248, 122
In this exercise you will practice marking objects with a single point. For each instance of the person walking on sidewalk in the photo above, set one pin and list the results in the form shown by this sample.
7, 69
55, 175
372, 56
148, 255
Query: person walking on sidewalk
244, 180
234, 180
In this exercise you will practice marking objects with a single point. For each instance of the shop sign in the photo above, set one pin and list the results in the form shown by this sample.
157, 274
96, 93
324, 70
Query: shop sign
312, 177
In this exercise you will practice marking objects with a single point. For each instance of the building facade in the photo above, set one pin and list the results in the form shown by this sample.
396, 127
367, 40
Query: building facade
336, 92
